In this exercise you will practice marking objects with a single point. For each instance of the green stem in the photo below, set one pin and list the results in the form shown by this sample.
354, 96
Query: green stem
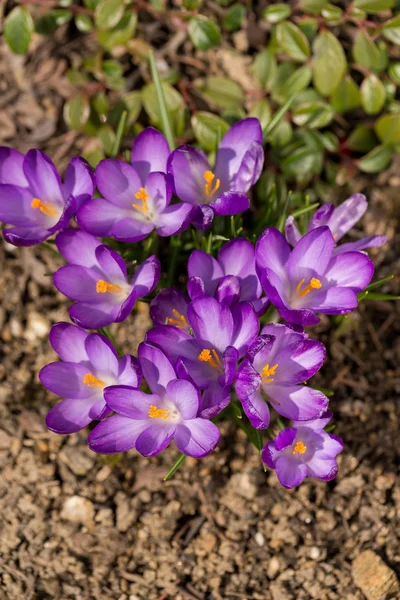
181, 459
165, 120
118, 136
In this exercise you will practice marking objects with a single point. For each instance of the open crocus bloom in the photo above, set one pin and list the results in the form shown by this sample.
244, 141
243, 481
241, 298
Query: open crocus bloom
277, 365
220, 191
208, 359
231, 278
96, 279
309, 279
305, 450
89, 363
136, 198
169, 307
339, 220
32, 197
148, 422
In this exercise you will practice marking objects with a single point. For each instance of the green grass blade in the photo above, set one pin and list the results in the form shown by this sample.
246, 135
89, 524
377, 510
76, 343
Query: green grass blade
181, 458
277, 118
166, 123
119, 135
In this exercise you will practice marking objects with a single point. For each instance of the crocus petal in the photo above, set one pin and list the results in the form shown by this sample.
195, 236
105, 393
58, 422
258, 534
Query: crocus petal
231, 356
319, 423
99, 410
207, 268
68, 210
212, 323
69, 342
290, 473
213, 400
261, 306
249, 380
197, 437
115, 434
237, 257
163, 305
118, 182
298, 362
78, 181
250, 169
146, 276
150, 152
228, 291
156, 367
272, 251
311, 255
154, 439
230, 203
323, 469
268, 454
16, 209
256, 410
159, 191
334, 301
174, 219
130, 230
246, 326
321, 216
11, 167
43, 178
78, 247
187, 166
373, 241
69, 416
351, 269
303, 317
129, 402
111, 264
292, 232
185, 397
79, 283
202, 216
103, 359
296, 402
93, 316
346, 215
285, 438
97, 216
195, 288
196, 371
66, 380
129, 372
22, 236
176, 342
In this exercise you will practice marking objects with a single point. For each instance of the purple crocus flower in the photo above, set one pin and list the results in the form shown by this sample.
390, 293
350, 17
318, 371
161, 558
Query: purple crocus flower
230, 278
309, 279
148, 422
89, 363
220, 337
136, 198
305, 450
221, 191
169, 307
277, 365
339, 220
32, 197
96, 279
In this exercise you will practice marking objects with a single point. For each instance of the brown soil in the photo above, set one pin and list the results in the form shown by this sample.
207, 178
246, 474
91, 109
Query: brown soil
74, 525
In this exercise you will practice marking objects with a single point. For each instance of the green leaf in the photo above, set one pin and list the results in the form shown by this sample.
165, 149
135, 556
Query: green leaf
18, 29
373, 94
84, 23
332, 14
234, 17
281, 134
121, 33
277, 12
264, 68
167, 100
329, 64
309, 27
366, 52
204, 32
277, 118
378, 283
313, 114
283, 73
106, 135
77, 111
221, 91
376, 160
391, 30
297, 81
293, 41
346, 97
373, 6
388, 129
313, 6
361, 139
93, 152
394, 72
208, 129
261, 111
192, 4
180, 460
108, 14
133, 103
375, 296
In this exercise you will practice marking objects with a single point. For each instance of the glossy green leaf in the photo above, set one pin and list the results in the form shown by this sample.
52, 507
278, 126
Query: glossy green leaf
374, 6
108, 14
261, 111
373, 94
293, 41
314, 115
208, 129
234, 17
93, 152
394, 72
388, 129
329, 64
221, 91
192, 4
106, 135
283, 73
309, 26
84, 23
313, 6
297, 81
390, 90
264, 68
204, 32
376, 160
366, 52
281, 135
133, 103
18, 29
277, 12
332, 14
77, 111
346, 96
391, 30
362, 139
121, 33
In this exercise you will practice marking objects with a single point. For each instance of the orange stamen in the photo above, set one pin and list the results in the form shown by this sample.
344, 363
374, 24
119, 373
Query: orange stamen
103, 286
158, 413
314, 284
211, 357
267, 372
208, 187
92, 381
179, 321
142, 195
46, 207
299, 448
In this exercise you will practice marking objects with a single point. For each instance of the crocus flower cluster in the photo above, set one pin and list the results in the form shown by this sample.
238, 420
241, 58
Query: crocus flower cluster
211, 344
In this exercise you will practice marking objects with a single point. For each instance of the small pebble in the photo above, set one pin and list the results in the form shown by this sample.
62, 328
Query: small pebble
315, 553
259, 538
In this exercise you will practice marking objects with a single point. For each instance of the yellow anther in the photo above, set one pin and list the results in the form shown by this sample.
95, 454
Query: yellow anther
208, 187
92, 381
299, 448
142, 195
179, 321
267, 372
46, 207
211, 357
103, 286
314, 284
158, 413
